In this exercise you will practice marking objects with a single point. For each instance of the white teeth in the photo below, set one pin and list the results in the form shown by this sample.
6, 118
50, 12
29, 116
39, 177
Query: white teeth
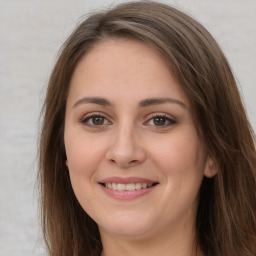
138, 185
120, 186
114, 186
130, 186
144, 185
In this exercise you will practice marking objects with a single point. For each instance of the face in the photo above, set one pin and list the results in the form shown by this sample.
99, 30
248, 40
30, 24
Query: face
135, 160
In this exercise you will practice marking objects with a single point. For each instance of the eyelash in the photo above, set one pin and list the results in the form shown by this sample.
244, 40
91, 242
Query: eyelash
167, 118
90, 116
85, 120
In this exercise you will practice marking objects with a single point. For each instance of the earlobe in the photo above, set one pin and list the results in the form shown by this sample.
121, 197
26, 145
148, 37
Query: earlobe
210, 168
67, 162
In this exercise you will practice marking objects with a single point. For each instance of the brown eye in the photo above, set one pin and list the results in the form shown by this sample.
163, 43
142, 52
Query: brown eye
95, 120
98, 120
159, 121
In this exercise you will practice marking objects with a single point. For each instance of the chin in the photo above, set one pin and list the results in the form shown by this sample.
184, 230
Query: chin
126, 226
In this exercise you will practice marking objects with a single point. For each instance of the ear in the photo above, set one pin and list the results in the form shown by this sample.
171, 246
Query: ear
210, 169
67, 162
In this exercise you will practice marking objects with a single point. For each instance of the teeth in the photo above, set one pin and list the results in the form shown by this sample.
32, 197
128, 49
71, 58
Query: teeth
138, 185
114, 186
144, 185
130, 186
120, 186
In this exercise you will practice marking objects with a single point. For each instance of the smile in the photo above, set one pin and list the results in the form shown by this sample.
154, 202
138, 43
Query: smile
128, 187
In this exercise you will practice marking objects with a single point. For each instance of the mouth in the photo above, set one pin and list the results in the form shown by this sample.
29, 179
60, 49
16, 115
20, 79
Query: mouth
127, 188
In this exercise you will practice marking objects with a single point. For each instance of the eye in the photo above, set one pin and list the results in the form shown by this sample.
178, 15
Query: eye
161, 121
95, 120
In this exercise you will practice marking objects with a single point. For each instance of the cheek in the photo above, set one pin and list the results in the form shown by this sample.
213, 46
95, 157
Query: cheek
181, 158
84, 153
179, 150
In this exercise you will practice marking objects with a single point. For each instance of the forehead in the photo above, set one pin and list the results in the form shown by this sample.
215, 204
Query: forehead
125, 68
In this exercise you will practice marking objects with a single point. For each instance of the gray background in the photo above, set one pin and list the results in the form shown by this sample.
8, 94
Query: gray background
31, 32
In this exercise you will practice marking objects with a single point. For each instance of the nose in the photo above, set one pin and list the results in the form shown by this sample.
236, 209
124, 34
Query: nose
125, 150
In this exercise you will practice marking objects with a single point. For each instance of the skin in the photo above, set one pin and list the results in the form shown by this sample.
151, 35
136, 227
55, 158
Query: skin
129, 141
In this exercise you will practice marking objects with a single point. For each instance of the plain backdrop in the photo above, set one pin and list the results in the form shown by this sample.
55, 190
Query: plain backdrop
31, 32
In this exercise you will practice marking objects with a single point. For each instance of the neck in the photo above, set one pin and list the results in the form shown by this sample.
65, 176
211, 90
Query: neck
165, 243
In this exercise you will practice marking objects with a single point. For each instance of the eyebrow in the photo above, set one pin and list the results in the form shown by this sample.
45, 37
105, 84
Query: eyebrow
158, 101
144, 103
93, 100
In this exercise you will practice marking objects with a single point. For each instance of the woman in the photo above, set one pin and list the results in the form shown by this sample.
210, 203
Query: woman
145, 146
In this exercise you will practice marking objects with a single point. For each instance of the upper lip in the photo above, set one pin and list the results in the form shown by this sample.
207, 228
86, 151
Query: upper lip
127, 180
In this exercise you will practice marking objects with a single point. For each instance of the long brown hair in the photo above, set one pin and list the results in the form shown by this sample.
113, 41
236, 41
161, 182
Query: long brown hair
226, 217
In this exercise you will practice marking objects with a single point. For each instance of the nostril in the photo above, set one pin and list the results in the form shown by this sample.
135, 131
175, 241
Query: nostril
124, 163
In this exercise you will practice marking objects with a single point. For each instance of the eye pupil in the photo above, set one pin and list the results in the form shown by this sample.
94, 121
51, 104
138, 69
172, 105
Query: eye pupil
98, 120
159, 121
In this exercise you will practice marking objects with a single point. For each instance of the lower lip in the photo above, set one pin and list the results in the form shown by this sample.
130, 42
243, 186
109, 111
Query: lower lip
126, 194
